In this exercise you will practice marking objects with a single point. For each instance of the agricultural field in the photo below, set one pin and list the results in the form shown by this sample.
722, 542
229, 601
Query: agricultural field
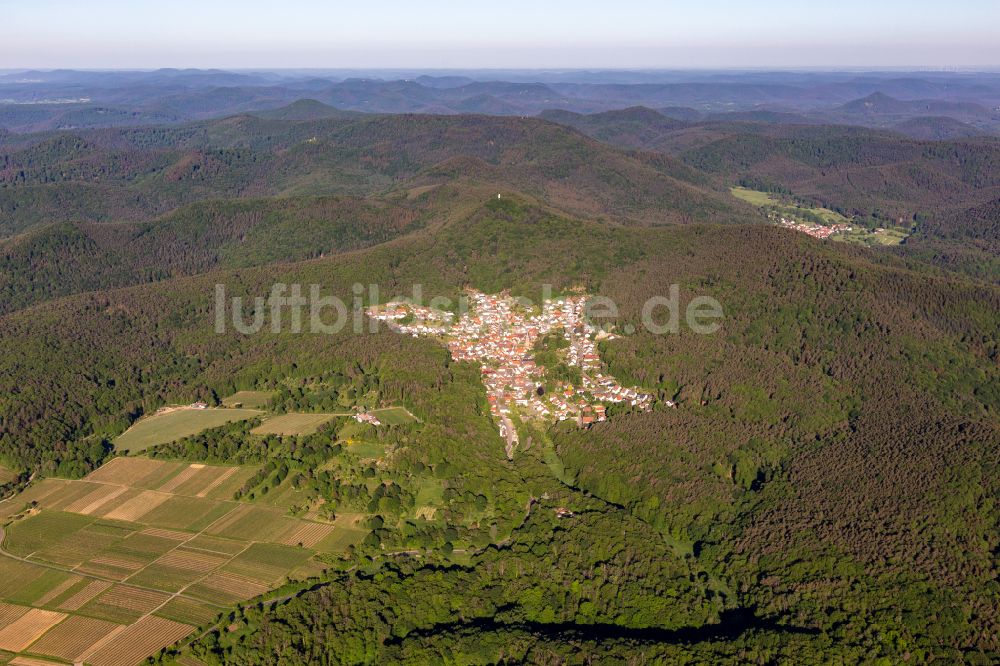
394, 416
248, 399
874, 238
284, 496
109, 569
6, 475
754, 197
287, 425
353, 432
366, 449
173, 424
430, 494
823, 216
349, 531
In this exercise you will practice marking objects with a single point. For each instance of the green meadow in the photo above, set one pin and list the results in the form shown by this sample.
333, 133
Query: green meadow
173, 425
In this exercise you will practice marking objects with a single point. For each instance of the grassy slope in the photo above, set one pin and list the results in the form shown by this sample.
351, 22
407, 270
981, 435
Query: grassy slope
248, 399
170, 426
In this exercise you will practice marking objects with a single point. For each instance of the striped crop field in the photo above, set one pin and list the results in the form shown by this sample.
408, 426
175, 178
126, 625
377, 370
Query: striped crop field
109, 569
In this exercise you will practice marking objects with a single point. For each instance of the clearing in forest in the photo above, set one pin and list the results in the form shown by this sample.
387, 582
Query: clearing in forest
287, 425
394, 416
6, 475
249, 399
170, 425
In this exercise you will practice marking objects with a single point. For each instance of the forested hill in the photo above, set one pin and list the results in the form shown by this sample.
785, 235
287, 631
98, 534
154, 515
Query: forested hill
108, 208
828, 469
134, 174
68, 258
250, 189
849, 169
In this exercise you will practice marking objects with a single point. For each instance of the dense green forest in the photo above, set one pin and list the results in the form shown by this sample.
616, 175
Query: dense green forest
133, 174
106, 208
69, 258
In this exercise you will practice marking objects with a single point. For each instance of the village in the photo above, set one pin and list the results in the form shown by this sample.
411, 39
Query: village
814, 230
500, 335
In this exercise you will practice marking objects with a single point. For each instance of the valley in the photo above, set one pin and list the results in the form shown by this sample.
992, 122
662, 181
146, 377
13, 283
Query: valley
821, 223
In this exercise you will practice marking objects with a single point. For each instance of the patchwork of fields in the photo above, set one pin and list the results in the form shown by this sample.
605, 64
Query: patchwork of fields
109, 569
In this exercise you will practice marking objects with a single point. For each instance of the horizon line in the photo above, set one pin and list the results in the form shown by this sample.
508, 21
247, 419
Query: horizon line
611, 68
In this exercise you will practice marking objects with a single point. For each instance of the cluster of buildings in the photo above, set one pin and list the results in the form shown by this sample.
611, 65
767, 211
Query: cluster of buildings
367, 417
814, 230
500, 334
413, 320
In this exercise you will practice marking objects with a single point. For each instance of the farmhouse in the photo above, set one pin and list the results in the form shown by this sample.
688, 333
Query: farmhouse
367, 417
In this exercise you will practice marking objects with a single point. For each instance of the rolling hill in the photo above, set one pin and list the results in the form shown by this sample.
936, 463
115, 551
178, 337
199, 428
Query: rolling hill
114, 207
68, 258
124, 175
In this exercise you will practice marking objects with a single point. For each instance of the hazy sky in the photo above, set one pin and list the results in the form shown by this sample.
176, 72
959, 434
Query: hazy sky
507, 33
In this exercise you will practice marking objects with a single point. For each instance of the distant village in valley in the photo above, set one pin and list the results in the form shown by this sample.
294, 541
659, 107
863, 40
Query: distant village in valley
814, 230
501, 335
847, 232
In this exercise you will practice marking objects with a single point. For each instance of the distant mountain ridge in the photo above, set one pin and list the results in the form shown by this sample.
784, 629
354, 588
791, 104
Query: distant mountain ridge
882, 104
186, 95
